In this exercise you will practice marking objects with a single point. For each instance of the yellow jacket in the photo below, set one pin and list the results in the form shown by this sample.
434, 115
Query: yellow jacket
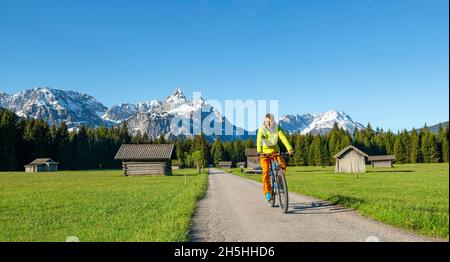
267, 141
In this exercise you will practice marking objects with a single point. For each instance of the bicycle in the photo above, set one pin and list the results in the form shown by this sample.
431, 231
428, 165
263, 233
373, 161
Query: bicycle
278, 181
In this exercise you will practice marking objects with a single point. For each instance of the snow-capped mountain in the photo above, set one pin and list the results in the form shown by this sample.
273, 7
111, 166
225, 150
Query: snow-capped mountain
55, 106
177, 116
318, 123
154, 117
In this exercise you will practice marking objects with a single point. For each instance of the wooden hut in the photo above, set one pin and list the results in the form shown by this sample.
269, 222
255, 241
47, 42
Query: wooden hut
42, 165
240, 164
382, 160
350, 160
252, 158
253, 163
146, 159
225, 164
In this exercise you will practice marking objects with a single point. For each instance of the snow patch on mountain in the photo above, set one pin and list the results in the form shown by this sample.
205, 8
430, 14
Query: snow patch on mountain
318, 123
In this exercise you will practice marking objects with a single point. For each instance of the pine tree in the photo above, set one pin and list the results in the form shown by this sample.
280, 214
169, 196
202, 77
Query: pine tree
414, 146
443, 143
325, 152
200, 143
312, 153
83, 147
334, 144
301, 152
8, 140
63, 155
367, 139
389, 140
407, 142
124, 136
161, 139
317, 151
444, 150
380, 147
345, 140
428, 146
400, 150
217, 152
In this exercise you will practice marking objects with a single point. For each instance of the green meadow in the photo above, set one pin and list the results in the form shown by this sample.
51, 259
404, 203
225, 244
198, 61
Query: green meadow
414, 197
98, 206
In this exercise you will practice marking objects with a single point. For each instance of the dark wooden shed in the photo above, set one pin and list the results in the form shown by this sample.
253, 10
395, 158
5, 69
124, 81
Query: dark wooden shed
225, 164
381, 160
240, 164
350, 160
146, 159
253, 163
42, 165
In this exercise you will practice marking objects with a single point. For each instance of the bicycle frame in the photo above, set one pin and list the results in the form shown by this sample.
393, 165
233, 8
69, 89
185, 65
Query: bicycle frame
273, 164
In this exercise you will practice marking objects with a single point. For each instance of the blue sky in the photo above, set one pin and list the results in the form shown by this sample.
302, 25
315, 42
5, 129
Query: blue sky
381, 61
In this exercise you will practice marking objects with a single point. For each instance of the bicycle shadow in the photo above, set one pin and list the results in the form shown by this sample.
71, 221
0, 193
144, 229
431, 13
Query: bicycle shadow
316, 207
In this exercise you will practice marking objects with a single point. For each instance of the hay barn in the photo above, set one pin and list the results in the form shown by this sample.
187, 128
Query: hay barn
146, 159
350, 160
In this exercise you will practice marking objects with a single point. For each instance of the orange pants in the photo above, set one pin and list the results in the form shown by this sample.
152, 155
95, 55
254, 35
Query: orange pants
265, 165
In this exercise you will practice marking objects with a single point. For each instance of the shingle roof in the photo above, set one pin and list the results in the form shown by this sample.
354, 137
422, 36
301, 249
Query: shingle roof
40, 161
145, 151
349, 148
381, 157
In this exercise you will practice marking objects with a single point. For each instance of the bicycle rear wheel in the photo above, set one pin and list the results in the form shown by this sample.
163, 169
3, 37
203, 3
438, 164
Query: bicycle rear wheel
283, 194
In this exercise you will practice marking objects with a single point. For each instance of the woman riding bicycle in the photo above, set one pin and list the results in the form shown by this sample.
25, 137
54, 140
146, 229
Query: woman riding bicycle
266, 145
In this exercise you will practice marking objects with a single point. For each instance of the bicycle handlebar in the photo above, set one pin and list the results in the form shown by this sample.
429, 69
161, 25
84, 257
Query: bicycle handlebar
275, 154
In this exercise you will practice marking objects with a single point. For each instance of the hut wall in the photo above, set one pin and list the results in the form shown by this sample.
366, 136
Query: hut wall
352, 162
240, 164
52, 168
253, 163
41, 168
224, 164
382, 163
30, 169
147, 168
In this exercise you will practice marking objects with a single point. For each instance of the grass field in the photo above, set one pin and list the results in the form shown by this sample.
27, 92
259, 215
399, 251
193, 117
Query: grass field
410, 196
97, 206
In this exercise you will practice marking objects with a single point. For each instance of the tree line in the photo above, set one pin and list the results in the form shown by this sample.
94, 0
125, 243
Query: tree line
24, 139
415, 146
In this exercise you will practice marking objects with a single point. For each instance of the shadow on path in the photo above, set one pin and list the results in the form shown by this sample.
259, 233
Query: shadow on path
316, 207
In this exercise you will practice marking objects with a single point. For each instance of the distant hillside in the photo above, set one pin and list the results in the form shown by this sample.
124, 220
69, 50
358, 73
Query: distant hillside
435, 128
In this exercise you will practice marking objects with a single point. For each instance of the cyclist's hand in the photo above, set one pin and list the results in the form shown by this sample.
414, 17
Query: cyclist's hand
291, 153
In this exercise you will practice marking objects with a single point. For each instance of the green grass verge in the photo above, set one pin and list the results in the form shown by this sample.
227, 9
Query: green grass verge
410, 196
98, 206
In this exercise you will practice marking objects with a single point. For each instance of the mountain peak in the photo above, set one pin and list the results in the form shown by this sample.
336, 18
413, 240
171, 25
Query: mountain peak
178, 93
175, 100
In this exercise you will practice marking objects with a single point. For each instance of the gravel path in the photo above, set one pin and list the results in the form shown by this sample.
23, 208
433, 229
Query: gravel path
234, 210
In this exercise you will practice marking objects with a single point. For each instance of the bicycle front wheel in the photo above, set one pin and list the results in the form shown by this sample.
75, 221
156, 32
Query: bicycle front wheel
282, 192
272, 192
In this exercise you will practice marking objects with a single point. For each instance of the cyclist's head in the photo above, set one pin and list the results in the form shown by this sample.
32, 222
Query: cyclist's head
269, 121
